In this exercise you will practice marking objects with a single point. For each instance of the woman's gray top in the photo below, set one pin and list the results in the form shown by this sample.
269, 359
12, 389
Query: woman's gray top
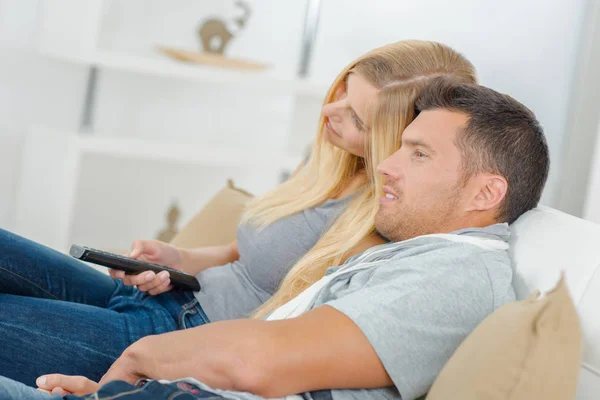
236, 289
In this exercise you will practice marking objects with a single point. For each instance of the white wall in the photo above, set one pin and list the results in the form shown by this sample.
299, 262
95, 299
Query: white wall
592, 202
33, 90
10, 158
525, 48
583, 119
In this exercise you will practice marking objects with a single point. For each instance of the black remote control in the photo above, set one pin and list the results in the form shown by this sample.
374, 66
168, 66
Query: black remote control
179, 279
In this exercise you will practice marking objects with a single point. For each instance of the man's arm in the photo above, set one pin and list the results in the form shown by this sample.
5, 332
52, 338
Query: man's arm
321, 349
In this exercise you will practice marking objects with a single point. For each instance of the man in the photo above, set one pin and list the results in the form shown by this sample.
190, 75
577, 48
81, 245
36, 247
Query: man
385, 323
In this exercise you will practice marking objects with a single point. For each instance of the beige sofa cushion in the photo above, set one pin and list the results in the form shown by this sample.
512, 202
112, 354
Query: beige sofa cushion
526, 350
216, 223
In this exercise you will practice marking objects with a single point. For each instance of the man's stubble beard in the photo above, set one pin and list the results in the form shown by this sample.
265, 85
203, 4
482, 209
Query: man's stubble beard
407, 222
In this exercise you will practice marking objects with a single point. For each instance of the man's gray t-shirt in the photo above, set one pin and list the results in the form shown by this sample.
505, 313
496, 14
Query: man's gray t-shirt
236, 289
416, 308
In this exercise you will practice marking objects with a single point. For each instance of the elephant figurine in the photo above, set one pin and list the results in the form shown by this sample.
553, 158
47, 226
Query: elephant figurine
215, 34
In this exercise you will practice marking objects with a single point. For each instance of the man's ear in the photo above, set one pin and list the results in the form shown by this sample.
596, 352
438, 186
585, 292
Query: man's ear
492, 191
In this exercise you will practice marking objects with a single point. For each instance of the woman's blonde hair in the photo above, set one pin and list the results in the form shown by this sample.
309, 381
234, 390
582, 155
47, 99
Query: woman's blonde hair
399, 68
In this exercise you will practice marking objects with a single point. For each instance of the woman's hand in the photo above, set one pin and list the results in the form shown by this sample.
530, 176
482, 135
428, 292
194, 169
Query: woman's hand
156, 252
66, 384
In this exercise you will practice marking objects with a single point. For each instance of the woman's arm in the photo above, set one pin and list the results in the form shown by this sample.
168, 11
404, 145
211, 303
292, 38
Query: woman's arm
195, 260
191, 261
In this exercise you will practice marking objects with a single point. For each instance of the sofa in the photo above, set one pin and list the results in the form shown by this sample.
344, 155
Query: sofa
546, 242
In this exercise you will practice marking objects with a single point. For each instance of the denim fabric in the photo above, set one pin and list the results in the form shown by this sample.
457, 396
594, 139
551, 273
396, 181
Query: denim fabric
181, 390
13, 390
57, 315
29, 269
151, 390
319, 395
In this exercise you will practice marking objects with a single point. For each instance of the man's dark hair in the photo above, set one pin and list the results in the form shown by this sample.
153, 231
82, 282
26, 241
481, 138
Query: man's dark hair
502, 137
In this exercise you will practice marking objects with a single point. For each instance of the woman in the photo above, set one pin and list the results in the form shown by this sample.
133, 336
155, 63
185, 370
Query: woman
73, 320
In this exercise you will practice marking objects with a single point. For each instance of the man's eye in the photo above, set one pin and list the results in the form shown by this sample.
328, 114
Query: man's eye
420, 154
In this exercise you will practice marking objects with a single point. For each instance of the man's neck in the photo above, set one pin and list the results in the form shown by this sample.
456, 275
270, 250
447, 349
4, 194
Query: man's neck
473, 221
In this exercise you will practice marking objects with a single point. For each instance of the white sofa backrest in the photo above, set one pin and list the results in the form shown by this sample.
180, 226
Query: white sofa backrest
545, 242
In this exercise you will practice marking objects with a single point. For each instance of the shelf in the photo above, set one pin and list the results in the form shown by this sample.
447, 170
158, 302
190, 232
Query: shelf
53, 161
181, 152
162, 66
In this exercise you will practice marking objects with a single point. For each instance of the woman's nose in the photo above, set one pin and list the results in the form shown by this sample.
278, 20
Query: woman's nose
333, 111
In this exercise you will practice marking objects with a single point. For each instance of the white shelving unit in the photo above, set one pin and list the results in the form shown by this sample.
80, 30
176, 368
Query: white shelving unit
51, 174
161, 66
159, 150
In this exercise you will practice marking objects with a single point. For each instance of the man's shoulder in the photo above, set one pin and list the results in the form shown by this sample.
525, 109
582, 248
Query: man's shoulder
440, 252
482, 272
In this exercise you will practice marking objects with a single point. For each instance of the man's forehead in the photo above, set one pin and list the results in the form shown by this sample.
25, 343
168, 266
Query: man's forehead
435, 125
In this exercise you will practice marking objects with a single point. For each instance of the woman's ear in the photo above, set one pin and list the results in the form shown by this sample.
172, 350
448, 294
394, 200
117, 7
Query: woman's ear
492, 191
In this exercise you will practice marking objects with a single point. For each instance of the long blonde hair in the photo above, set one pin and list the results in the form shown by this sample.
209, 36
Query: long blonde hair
398, 67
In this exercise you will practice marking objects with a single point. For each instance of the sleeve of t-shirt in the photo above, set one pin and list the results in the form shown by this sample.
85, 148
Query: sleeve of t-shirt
416, 318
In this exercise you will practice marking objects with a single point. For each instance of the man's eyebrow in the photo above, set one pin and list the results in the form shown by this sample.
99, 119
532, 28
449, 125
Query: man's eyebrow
418, 143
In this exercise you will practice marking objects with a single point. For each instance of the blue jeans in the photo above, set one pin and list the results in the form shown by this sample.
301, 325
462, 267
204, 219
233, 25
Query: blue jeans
118, 390
58, 315
153, 390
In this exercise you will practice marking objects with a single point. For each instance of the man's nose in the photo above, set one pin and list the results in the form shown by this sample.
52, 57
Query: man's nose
390, 167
